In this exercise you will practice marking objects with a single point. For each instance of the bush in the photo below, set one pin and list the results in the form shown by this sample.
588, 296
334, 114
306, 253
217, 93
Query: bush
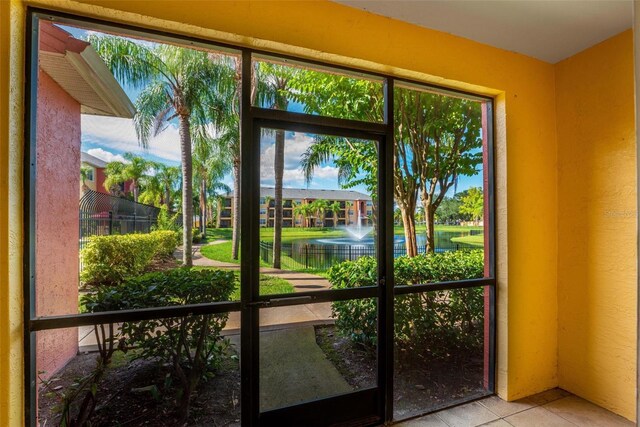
441, 321
108, 260
167, 222
191, 345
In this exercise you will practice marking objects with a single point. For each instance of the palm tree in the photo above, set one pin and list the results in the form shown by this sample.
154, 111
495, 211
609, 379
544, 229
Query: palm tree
168, 177
347, 209
267, 201
134, 170
113, 177
151, 193
84, 175
272, 92
335, 208
320, 206
177, 84
210, 165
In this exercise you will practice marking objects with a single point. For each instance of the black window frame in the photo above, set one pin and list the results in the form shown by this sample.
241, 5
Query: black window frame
33, 323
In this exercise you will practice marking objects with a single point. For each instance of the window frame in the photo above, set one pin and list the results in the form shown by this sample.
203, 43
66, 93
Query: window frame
33, 323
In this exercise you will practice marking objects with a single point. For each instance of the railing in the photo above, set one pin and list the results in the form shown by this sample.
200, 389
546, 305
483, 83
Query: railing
323, 257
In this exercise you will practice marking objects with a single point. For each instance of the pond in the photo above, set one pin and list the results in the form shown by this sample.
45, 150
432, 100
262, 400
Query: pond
322, 253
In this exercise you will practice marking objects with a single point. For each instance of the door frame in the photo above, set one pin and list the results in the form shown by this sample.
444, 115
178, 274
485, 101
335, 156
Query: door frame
368, 405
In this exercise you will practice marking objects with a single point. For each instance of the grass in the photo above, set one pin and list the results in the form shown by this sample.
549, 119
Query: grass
219, 252
269, 285
293, 233
475, 240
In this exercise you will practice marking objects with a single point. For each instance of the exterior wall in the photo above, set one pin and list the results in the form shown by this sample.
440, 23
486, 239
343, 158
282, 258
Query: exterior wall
266, 218
57, 234
597, 225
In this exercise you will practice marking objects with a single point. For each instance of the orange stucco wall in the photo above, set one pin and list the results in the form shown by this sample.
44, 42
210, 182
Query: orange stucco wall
597, 224
57, 216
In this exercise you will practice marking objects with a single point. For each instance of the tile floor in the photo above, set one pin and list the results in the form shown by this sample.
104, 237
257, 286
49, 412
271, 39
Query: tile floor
548, 409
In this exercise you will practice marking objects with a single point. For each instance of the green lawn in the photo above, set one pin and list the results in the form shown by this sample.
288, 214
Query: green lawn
219, 252
452, 228
475, 240
269, 285
293, 233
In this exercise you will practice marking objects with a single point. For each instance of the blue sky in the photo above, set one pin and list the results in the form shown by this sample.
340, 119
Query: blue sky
108, 138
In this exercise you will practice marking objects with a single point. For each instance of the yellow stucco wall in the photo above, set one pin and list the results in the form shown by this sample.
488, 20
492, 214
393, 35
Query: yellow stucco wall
526, 173
597, 225
11, 82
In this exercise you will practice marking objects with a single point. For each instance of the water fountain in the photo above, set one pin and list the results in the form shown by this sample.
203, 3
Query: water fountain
359, 231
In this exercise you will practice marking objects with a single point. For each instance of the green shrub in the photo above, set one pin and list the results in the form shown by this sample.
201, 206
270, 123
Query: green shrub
166, 221
108, 260
191, 345
166, 243
442, 321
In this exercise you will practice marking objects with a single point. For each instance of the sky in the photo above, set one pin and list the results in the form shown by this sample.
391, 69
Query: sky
108, 138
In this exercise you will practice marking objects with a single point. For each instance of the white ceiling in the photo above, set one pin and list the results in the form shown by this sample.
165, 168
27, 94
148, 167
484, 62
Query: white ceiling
550, 30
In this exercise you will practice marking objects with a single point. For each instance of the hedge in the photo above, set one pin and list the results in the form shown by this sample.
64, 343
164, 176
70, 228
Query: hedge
108, 260
440, 321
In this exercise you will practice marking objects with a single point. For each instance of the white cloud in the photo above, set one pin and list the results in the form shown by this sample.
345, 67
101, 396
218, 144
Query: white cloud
120, 135
105, 155
295, 144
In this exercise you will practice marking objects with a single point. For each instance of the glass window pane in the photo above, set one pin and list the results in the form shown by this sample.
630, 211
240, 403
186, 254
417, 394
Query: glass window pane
130, 366
319, 203
310, 352
113, 198
441, 349
441, 185
297, 87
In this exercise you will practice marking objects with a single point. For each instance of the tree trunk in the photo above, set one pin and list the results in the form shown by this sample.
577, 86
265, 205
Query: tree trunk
429, 219
135, 191
409, 225
203, 207
167, 198
278, 170
235, 237
187, 191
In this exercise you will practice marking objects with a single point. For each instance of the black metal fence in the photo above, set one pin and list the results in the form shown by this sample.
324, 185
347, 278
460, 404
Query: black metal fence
103, 214
323, 257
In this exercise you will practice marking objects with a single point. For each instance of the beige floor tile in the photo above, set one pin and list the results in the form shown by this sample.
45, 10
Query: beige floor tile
497, 423
538, 417
426, 421
503, 408
548, 396
469, 415
584, 413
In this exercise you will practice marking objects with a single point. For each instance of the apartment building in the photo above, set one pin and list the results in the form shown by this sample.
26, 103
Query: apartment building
354, 207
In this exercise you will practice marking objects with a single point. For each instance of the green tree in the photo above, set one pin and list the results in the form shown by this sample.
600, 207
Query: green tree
168, 177
472, 203
151, 190
177, 84
320, 207
438, 139
113, 178
84, 175
335, 208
